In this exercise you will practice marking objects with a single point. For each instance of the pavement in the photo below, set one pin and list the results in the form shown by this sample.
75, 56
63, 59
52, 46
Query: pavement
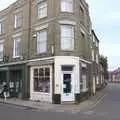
73, 108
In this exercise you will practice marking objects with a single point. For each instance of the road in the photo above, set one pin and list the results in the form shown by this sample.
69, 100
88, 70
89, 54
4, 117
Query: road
106, 108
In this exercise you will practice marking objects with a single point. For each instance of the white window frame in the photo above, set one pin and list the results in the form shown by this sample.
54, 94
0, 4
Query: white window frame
66, 37
64, 5
15, 53
41, 41
43, 67
42, 9
2, 51
18, 20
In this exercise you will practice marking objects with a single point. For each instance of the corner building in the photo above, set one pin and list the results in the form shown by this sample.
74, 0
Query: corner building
46, 46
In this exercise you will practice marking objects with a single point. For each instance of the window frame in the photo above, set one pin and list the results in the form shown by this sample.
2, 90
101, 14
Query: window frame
50, 79
18, 20
15, 39
83, 80
72, 37
65, 9
93, 55
45, 4
2, 43
2, 27
43, 42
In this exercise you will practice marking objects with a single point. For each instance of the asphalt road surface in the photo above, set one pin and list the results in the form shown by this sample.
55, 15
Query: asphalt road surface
106, 108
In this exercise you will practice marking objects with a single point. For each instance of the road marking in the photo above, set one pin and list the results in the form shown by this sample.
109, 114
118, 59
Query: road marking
101, 98
89, 112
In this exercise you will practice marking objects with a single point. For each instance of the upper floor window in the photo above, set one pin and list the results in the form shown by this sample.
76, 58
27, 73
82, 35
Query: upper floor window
67, 5
42, 9
42, 41
93, 39
93, 55
2, 27
1, 50
97, 57
97, 43
67, 37
18, 20
97, 80
17, 47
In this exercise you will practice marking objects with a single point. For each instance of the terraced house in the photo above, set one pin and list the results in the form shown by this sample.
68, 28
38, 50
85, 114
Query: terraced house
97, 69
45, 50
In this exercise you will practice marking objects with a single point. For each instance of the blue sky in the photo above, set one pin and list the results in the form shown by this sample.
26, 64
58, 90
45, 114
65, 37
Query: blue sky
105, 17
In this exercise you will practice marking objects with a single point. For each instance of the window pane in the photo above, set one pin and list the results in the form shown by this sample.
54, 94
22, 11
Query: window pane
42, 82
67, 5
17, 47
36, 84
41, 41
36, 72
47, 71
47, 84
67, 37
42, 9
41, 72
1, 50
2, 27
18, 20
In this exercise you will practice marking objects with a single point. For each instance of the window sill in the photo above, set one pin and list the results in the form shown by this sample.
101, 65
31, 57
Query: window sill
67, 50
41, 92
68, 12
16, 28
41, 18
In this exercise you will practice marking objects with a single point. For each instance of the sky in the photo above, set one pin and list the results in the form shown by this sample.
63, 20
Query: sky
105, 17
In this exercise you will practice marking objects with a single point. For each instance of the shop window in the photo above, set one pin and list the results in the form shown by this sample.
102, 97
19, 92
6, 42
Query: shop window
42, 79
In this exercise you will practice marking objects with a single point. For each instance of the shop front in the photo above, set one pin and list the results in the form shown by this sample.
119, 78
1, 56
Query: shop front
14, 77
41, 80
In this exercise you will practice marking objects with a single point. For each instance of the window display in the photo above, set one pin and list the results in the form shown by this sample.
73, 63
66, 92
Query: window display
42, 80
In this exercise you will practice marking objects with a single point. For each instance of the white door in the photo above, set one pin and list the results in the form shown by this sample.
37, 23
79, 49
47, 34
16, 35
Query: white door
67, 86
